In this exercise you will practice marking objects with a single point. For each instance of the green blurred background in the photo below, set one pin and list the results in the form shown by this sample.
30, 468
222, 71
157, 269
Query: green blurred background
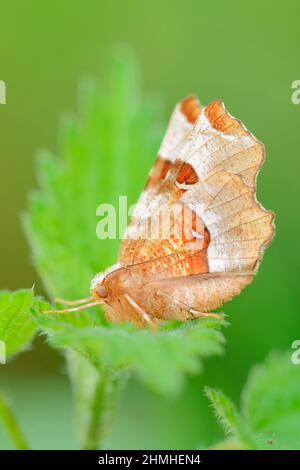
245, 54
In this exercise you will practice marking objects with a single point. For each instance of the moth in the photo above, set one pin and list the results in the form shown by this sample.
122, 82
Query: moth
207, 168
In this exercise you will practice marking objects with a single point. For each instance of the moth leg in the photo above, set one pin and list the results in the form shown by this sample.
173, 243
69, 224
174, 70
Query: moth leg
145, 316
182, 306
191, 313
195, 314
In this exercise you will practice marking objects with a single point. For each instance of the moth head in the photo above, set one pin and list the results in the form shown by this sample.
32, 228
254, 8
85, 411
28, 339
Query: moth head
102, 285
101, 292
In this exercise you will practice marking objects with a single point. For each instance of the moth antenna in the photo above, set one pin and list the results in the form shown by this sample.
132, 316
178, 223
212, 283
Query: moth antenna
72, 302
74, 309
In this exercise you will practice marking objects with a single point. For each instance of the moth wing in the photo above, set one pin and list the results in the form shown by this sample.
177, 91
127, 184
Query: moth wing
184, 297
226, 159
178, 131
214, 176
216, 173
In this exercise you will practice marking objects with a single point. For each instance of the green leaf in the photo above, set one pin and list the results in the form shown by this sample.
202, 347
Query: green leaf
17, 329
16, 325
159, 359
229, 418
271, 402
270, 411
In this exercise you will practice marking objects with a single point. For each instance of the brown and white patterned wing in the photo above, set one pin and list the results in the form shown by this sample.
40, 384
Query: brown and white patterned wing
215, 178
216, 174
226, 158
178, 132
221, 142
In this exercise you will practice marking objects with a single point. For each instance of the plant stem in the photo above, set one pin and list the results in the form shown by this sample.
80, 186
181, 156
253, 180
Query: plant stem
12, 425
102, 408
